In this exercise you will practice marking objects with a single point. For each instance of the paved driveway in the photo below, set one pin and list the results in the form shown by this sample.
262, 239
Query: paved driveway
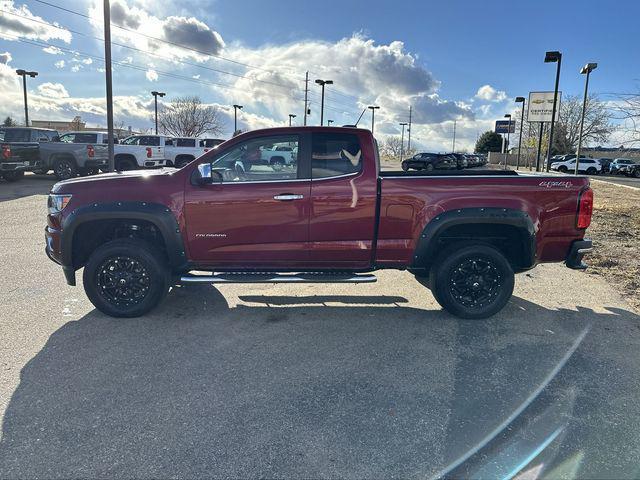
363, 381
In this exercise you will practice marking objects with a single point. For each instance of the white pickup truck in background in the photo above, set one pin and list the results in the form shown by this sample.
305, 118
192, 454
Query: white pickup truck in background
150, 151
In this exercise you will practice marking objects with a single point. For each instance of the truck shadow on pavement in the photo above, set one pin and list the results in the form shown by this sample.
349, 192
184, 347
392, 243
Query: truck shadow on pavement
363, 389
28, 186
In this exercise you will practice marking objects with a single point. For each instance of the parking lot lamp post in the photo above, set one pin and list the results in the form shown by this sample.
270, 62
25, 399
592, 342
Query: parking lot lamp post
291, 117
551, 57
586, 70
373, 109
403, 124
322, 83
520, 100
506, 145
329, 122
235, 117
155, 101
23, 74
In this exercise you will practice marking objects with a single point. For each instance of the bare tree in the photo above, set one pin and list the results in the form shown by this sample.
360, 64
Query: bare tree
391, 147
189, 117
628, 110
597, 121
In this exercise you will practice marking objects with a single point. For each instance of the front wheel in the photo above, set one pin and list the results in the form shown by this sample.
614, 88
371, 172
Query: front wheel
591, 171
126, 278
473, 282
429, 167
562, 169
405, 166
64, 168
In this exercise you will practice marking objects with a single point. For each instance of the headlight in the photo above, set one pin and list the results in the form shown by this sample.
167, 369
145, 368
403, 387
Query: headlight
56, 203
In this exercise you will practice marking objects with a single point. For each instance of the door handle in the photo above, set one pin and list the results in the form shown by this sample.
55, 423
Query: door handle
287, 197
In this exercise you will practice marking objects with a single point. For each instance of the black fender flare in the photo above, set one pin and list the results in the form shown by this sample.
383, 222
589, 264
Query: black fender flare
427, 248
157, 214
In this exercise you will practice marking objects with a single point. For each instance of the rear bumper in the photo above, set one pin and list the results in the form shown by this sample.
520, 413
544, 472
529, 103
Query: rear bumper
15, 166
577, 251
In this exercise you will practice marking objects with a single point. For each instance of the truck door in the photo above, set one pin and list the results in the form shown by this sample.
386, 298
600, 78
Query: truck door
343, 202
258, 217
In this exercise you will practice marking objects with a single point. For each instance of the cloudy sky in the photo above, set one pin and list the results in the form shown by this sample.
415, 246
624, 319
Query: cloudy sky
457, 60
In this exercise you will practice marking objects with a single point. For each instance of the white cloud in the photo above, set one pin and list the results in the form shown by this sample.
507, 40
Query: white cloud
190, 31
151, 75
53, 90
12, 25
59, 64
51, 50
5, 58
490, 94
87, 61
76, 68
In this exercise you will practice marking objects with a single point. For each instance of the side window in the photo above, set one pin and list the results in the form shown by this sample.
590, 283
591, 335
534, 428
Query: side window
259, 160
150, 141
186, 142
67, 138
335, 154
86, 138
168, 142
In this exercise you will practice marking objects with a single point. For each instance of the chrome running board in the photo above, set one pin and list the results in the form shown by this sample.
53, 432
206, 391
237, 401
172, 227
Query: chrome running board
243, 277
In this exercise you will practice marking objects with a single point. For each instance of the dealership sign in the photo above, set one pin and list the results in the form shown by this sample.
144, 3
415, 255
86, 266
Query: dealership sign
541, 106
505, 126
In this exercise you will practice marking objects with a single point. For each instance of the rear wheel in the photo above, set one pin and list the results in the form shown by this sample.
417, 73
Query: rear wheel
64, 168
636, 173
124, 164
13, 176
562, 169
405, 166
591, 171
126, 278
473, 281
429, 167
277, 163
182, 160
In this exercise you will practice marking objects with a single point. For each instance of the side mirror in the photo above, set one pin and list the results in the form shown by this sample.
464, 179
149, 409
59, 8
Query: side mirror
207, 176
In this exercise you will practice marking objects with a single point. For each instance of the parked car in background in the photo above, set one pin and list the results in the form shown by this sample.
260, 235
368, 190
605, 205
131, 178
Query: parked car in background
430, 161
632, 170
461, 160
614, 167
590, 166
606, 163
19, 152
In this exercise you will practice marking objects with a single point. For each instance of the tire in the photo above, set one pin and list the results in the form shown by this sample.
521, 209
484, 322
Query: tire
636, 173
13, 176
473, 266
277, 163
429, 167
562, 169
124, 164
65, 168
148, 276
405, 167
591, 171
181, 161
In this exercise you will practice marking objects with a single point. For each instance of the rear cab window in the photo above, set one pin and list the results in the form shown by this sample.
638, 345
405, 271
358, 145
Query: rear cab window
335, 154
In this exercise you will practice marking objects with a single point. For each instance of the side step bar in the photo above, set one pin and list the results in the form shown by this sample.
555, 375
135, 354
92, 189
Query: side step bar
319, 277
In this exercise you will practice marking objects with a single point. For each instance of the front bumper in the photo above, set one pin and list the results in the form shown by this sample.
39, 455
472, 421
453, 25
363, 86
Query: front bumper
578, 250
53, 251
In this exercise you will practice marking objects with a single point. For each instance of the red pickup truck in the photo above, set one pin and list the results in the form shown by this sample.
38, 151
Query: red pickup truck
330, 215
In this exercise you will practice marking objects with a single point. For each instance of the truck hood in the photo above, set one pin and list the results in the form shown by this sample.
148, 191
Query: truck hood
131, 179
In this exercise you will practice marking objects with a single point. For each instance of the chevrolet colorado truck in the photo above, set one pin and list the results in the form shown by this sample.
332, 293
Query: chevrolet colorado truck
335, 217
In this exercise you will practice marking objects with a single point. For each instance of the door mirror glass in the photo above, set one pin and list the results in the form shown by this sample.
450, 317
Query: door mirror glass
207, 175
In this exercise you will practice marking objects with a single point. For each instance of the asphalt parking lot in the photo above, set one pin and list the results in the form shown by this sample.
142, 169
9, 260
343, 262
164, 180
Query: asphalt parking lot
316, 381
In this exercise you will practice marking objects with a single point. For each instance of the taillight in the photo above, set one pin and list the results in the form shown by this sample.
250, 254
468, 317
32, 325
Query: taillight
585, 208
6, 151
90, 151
149, 154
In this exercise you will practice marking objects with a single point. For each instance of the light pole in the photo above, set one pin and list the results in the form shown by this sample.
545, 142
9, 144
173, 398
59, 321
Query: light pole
23, 74
520, 100
453, 146
322, 83
506, 145
551, 57
373, 109
403, 124
155, 100
235, 117
291, 117
329, 122
586, 70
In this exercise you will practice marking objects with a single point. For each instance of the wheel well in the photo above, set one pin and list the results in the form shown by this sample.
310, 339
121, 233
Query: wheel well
184, 156
125, 156
92, 234
62, 156
277, 157
510, 240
